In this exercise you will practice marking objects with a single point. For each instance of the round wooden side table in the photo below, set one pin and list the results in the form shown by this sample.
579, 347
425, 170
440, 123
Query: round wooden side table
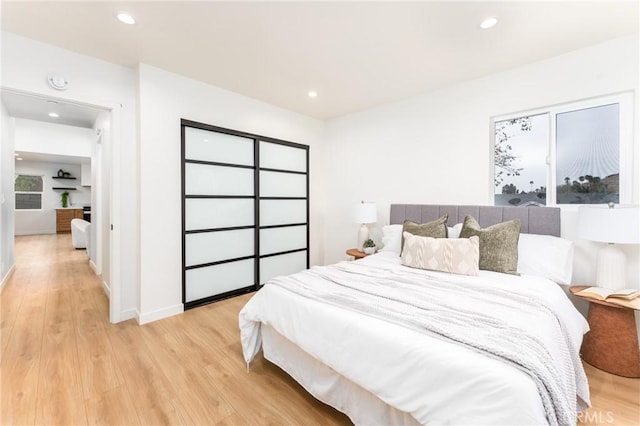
357, 254
612, 343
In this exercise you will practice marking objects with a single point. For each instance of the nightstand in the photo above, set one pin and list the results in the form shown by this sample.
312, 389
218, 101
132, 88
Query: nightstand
612, 343
357, 254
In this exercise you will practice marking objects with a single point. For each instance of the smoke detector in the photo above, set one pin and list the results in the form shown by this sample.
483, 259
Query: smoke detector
57, 81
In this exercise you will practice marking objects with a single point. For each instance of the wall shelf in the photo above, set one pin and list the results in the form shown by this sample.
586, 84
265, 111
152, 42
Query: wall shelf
63, 189
60, 177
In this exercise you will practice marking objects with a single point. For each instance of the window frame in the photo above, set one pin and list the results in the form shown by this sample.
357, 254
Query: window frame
625, 100
41, 193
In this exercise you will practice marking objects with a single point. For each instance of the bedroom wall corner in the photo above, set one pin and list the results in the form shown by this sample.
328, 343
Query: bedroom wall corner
434, 148
164, 99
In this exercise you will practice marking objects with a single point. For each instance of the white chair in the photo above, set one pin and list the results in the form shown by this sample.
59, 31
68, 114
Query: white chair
80, 229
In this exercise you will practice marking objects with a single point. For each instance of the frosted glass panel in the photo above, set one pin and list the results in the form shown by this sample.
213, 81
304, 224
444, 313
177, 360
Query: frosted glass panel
275, 240
212, 280
203, 213
275, 156
206, 145
202, 179
282, 212
285, 264
273, 184
215, 246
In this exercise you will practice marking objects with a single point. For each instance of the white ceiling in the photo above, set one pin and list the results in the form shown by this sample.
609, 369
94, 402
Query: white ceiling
52, 158
22, 105
356, 55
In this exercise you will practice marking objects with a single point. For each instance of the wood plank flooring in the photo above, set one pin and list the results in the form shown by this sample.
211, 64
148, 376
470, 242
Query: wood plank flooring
63, 363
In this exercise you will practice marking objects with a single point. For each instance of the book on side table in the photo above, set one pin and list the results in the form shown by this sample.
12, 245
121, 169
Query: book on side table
629, 297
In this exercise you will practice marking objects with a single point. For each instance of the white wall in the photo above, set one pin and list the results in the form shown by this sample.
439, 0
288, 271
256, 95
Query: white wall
25, 66
435, 148
50, 138
31, 222
7, 200
165, 98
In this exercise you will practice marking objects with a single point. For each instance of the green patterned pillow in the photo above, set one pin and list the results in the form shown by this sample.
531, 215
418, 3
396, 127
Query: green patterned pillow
498, 244
434, 229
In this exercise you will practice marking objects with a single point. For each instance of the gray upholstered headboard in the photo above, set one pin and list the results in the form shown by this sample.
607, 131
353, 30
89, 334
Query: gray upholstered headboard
535, 220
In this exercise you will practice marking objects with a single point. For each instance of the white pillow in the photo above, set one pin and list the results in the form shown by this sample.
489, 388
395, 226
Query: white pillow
454, 231
546, 256
392, 238
454, 255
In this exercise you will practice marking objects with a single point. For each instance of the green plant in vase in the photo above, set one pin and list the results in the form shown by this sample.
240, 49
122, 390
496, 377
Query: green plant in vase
64, 198
369, 246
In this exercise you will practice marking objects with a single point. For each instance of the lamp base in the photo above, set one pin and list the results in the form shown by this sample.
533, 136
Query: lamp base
611, 271
363, 235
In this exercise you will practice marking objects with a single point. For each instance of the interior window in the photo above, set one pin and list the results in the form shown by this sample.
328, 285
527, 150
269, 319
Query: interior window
28, 191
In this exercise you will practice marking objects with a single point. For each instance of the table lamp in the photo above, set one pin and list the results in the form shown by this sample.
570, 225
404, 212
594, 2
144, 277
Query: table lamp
611, 224
364, 213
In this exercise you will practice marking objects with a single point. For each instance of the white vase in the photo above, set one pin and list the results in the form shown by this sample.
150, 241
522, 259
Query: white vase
369, 250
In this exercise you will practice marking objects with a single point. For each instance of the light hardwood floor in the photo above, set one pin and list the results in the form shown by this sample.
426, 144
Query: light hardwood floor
64, 363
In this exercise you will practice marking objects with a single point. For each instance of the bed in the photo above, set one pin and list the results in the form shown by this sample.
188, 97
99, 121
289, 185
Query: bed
389, 344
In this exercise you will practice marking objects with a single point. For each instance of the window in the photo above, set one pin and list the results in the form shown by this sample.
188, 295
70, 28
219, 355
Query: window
588, 155
28, 191
577, 153
520, 160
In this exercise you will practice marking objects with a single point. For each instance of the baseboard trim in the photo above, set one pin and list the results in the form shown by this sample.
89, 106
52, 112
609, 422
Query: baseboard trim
7, 276
38, 232
127, 315
106, 289
159, 314
93, 267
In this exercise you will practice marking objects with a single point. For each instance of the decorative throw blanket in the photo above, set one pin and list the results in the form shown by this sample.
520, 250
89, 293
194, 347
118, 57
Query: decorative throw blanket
480, 317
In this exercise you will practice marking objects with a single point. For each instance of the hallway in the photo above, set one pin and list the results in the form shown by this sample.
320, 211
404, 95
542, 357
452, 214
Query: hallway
53, 308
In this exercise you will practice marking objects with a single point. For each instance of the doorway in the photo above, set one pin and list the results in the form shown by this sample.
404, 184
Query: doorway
83, 152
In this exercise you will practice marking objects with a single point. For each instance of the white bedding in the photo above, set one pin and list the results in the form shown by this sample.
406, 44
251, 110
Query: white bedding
434, 380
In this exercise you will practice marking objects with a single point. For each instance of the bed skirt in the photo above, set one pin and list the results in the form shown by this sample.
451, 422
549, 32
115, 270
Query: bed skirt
327, 385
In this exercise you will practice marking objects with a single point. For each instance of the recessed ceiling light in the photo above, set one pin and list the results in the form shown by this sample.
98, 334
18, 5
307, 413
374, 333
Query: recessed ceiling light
53, 114
16, 154
489, 23
125, 18
313, 94
19, 158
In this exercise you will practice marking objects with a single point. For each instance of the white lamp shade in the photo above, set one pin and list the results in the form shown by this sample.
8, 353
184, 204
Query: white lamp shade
365, 213
619, 225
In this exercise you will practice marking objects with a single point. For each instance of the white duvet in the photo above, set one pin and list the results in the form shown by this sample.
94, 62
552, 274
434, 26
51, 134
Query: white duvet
434, 380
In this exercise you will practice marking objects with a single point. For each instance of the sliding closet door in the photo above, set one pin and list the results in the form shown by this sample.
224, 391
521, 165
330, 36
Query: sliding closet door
219, 215
245, 211
284, 208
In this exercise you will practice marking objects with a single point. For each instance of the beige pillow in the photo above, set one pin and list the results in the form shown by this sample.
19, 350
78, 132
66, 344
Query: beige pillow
498, 244
433, 229
457, 256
